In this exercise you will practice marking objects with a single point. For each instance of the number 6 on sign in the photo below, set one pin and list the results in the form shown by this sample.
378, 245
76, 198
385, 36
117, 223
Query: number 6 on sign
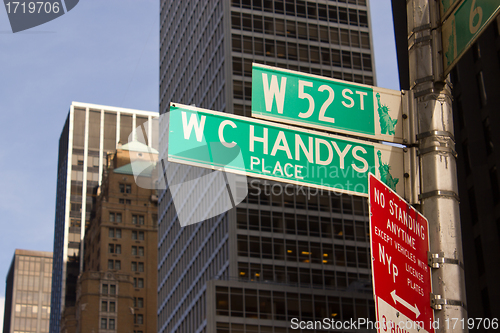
473, 28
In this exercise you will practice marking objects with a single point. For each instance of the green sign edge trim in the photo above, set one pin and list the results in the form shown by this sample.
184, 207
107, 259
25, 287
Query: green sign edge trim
447, 70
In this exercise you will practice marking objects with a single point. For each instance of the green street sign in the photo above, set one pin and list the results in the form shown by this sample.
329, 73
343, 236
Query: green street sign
328, 104
273, 151
446, 7
463, 27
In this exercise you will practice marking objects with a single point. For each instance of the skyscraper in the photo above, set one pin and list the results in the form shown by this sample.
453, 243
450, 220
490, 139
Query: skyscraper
90, 131
476, 83
27, 292
117, 288
280, 254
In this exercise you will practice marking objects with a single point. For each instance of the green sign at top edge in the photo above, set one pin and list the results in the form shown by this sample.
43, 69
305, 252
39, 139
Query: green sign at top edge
323, 103
464, 25
446, 7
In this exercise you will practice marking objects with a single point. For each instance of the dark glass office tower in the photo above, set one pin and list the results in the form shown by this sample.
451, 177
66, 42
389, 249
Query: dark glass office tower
476, 99
89, 133
280, 254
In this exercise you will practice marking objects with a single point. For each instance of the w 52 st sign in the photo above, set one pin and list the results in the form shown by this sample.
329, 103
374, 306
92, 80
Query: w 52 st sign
328, 104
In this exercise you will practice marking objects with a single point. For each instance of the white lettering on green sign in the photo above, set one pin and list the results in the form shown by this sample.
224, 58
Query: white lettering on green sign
208, 138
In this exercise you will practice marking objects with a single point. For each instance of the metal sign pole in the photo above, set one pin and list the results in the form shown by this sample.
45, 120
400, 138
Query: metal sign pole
438, 174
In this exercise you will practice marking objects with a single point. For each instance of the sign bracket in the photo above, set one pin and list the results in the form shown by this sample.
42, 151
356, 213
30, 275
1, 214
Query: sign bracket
439, 193
436, 260
437, 302
441, 149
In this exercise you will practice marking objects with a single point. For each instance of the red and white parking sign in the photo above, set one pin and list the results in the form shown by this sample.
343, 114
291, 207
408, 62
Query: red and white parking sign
401, 276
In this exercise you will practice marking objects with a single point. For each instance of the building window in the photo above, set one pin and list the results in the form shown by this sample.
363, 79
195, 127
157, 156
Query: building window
476, 52
112, 289
104, 323
138, 219
104, 306
112, 306
138, 282
472, 205
466, 159
494, 184
481, 89
479, 255
125, 188
115, 233
115, 248
138, 235
138, 251
487, 135
114, 265
140, 266
134, 266
138, 302
138, 319
104, 289
111, 324
115, 217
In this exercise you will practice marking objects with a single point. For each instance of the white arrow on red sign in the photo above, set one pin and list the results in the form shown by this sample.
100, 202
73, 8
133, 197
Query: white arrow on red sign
407, 305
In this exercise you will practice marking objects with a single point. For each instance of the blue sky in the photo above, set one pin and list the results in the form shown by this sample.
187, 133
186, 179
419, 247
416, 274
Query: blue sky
101, 52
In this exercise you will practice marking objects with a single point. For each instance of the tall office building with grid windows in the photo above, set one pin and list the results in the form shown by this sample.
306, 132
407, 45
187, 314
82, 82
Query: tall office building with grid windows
27, 292
279, 254
89, 133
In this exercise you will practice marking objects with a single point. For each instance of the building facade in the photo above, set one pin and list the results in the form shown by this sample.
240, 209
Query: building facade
476, 83
284, 253
27, 292
90, 131
116, 291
